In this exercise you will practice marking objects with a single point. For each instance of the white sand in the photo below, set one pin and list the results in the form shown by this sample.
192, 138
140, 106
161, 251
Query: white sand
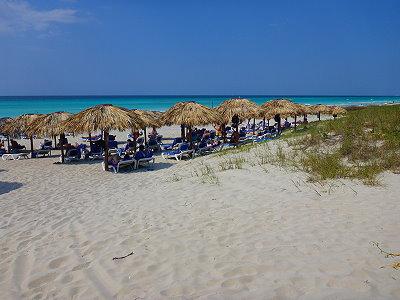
255, 235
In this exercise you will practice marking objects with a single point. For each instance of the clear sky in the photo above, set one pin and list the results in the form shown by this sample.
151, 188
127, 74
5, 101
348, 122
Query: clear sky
311, 47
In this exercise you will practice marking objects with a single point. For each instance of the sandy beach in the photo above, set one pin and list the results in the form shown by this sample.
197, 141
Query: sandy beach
250, 233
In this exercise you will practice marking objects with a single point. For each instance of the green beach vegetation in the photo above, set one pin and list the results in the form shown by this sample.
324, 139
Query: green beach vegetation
361, 145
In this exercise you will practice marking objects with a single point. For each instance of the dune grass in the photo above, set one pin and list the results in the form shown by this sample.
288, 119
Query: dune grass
359, 146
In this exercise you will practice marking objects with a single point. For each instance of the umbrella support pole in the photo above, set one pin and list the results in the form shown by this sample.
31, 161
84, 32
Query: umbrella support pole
263, 123
145, 136
90, 141
254, 126
62, 138
106, 134
295, 122
183, 132
190, 137
8, 144
31, 139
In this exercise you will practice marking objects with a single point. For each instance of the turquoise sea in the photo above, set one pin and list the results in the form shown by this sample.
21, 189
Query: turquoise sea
14, 106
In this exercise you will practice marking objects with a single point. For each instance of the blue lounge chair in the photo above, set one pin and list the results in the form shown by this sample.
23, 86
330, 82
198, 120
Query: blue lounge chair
175, 142
145, 160
153, 145
179, 153
71, 155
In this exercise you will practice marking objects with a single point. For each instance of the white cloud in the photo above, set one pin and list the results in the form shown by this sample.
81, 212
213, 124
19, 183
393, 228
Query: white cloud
17, 16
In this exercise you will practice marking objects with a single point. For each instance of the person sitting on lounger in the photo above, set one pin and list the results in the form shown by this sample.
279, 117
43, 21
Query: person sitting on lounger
126, 157
148, 153
286, 124
235, 138
114, 159
153, 133
2, 149
129, 145
141, 153
16, 146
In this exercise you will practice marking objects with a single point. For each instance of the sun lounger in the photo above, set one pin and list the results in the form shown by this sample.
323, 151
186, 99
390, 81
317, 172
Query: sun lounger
131, 163
93, 138
178, 154
43, 152
175, 142
14, 156
72, 154
143, 161
153, 145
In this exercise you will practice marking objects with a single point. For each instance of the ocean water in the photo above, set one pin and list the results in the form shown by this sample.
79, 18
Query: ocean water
14, 106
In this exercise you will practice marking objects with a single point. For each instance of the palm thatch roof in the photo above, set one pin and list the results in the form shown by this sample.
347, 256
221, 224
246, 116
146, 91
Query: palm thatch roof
305, 109
282, 107
322, 109
103, 117
190, 114
19, 125
337, 110
49, 125
243, 108
6, 126
150, 118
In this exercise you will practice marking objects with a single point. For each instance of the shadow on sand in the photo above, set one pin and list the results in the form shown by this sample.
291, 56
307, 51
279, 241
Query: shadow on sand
158, 165
6, 187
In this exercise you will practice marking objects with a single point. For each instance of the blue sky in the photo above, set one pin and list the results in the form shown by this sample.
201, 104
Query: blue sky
311, 47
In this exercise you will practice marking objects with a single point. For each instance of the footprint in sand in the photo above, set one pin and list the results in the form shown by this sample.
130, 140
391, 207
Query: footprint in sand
81, 266
67, 279
42, 280
178, 291
57, 262
233, 283
241, 271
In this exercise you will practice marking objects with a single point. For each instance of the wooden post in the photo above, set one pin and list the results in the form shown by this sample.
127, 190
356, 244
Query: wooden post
319, 116
106, 134
190, 137
279, 124
295, 122
8, 144
263, 123
55, 141
183, 132
31, 138
62, 138
254, 126
90, 141
223, 133
145, 136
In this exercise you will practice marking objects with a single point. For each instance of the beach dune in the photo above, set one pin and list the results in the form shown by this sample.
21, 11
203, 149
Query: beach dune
251, 233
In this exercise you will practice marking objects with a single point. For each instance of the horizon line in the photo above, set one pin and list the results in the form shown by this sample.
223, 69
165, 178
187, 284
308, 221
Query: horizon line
199, 95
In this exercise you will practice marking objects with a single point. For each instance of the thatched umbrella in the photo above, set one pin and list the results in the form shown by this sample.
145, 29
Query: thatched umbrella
20, 125
337, 110
103, 117
190, 114
150, 119
304, 110
237, 107
5, 123
50, 125
280, 108
321, 109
